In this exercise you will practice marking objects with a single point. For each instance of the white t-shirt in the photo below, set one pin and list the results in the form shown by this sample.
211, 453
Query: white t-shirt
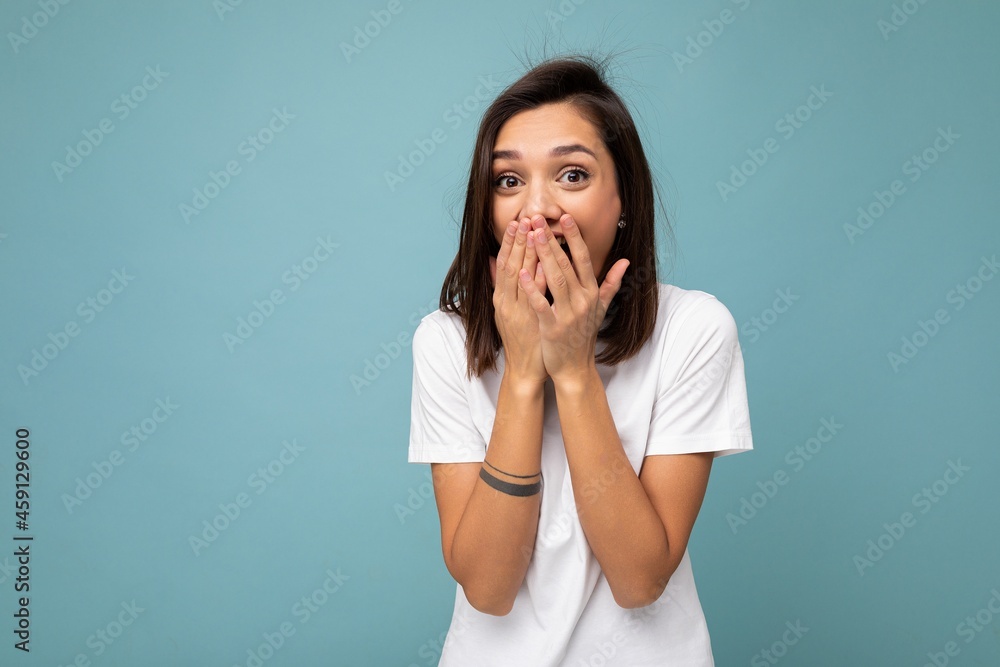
685, 391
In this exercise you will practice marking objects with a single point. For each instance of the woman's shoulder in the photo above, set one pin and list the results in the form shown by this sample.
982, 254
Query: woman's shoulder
441, 324
442, 318
701, 310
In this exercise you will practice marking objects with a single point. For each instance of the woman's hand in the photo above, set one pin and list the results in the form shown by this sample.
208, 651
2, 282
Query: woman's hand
515, 319
569, 327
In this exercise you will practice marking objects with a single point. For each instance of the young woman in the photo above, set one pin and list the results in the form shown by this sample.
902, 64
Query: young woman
569, 404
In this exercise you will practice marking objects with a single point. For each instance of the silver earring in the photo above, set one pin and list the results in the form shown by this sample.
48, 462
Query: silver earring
621, 221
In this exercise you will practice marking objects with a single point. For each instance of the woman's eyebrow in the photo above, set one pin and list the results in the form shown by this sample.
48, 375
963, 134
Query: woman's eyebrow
558, 151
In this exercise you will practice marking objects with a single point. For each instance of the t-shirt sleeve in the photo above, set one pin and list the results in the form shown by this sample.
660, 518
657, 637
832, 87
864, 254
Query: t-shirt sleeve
701, 395
441, 425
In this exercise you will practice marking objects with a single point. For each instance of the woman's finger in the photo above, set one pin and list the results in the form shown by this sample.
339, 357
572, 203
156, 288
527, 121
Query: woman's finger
514, 263
584, 269
612, 283
497, 265
536, 298
530, 255
559, 272
540, 277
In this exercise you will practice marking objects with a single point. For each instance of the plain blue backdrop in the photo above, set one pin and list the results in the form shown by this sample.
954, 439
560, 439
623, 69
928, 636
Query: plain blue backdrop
219, 216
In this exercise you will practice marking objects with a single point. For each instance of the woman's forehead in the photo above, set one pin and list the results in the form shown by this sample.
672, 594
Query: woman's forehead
544, 133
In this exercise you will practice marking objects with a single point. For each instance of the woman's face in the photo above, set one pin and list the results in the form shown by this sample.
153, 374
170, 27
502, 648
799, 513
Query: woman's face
549, 161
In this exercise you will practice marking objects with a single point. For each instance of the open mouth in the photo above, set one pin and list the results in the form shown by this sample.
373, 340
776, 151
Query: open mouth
565, 248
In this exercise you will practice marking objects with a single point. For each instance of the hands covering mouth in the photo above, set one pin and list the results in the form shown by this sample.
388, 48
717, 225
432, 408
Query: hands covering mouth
561, 322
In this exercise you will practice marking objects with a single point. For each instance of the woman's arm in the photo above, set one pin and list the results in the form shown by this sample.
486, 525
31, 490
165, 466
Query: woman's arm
488, 536
637, 526
637, 543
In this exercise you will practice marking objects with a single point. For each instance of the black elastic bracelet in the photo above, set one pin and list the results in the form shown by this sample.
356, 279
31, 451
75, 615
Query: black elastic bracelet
510, 473
509, 488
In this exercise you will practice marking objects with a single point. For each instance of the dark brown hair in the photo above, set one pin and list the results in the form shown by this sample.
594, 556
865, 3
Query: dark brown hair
580, 81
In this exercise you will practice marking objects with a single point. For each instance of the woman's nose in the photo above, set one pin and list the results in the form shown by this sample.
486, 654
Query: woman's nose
541, 202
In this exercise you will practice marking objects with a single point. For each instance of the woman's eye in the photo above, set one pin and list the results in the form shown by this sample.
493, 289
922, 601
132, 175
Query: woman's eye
581, 175
507, 181
503, 181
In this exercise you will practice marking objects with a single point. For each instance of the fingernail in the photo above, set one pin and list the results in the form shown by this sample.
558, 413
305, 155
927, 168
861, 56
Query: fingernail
523, 226
531, 239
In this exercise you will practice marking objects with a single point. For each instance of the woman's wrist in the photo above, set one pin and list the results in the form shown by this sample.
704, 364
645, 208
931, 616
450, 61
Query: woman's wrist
522, 385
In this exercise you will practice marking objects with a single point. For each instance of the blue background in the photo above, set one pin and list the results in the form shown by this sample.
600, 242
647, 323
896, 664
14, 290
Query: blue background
335, 505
